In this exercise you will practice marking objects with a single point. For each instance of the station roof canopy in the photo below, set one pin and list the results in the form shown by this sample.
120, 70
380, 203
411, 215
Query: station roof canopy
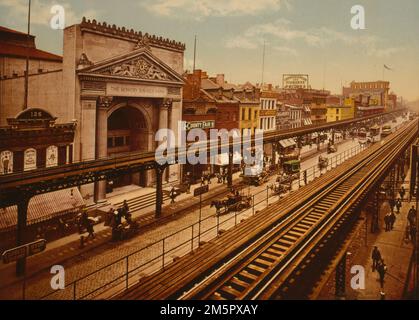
44, 207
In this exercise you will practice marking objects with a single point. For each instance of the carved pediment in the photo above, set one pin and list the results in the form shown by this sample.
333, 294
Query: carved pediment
138, 68
140, 65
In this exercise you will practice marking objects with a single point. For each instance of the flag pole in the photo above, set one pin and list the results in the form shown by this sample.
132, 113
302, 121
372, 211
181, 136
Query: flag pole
25, 105
194, 55
263, 63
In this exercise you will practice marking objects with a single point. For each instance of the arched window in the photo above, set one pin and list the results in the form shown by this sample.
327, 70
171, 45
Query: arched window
52, 157
29, 162
6, 162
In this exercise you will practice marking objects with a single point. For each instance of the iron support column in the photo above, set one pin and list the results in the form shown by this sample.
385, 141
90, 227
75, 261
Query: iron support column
340, 284
159, 190
22, 217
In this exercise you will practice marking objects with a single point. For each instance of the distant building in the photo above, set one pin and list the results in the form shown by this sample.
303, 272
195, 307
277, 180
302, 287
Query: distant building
339, 109
370, 97
268, 109
312, 101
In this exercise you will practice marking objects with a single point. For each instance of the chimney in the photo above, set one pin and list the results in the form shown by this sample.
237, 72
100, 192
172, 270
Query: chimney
220, 79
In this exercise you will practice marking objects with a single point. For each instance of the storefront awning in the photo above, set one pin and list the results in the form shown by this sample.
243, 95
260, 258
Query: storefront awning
287, 143
44, 207
308, 122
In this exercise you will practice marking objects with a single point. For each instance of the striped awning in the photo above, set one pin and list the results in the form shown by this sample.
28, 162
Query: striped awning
44, 207
308, 122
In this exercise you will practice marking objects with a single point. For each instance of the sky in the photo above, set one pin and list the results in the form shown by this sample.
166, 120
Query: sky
302, 36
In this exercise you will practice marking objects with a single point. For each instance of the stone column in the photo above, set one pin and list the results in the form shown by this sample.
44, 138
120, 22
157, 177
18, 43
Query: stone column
102, 142
164, 121
175, 117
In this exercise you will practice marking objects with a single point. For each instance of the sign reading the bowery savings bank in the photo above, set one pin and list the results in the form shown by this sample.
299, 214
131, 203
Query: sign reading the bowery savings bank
129, 90
295, 81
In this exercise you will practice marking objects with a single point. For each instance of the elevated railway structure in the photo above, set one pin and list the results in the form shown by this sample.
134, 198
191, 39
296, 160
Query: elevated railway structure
30, 183
282, 252
19, 188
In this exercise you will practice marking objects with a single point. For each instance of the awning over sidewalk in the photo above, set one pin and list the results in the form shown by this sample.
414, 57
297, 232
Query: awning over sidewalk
44, 207
308, 122
287, 143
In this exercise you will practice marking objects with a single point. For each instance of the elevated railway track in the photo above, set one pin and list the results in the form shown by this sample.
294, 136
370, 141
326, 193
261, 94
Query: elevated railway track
40, 181
281, 252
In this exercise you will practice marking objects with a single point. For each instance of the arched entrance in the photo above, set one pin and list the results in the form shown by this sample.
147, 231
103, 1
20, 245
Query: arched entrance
128, 131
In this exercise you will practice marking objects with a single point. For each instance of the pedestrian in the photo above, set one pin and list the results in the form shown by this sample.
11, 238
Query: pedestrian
398, 205
413, 233
392, 220
382, 269
392, 204
116, 222
376, 258
125, 207
172, 195
402, 192
407, 233
411, 216
387, 221
90, 230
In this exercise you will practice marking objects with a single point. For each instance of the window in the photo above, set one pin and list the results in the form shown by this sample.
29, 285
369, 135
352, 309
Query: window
256, 114
119, 141
6, 162
250, 114
110, 142
243, 114
337, 111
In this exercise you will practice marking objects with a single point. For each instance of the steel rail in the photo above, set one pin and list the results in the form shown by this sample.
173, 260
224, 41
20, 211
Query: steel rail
235, 275
340, 212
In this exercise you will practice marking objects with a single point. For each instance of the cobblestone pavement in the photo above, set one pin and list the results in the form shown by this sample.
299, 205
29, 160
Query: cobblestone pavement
147, 260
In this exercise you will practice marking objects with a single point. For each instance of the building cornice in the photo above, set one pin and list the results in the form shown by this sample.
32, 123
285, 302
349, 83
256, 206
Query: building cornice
130, 35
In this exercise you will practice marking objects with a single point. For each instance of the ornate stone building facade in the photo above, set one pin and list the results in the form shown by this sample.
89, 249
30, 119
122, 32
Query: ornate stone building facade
120, 87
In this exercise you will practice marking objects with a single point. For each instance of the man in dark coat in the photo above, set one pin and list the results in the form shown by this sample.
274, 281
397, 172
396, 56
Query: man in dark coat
392, 220
376, 258
411, 216
382, 269
387, 221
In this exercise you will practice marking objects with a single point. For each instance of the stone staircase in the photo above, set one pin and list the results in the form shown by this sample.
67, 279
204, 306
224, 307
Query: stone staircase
142, 202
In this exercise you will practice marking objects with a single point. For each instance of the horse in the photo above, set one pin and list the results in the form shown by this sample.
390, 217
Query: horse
219, 204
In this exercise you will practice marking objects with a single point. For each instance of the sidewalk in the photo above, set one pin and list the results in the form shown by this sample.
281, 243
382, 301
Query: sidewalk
395, 250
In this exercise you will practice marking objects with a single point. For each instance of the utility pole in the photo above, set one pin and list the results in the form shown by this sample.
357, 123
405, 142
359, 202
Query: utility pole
194, 56
25, 104
263, 63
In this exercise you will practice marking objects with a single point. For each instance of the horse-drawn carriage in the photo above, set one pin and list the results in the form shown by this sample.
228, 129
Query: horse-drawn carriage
233, 203
323, 162
291, 169
280, 187
255, 177
331, 148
